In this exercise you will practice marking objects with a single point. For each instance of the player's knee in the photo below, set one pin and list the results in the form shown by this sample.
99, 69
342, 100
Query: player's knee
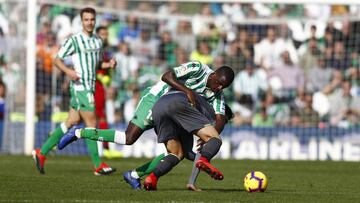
178, 154
207, 133
70, 123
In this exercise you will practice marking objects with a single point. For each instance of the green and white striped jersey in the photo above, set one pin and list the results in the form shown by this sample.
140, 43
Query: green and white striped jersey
194, 76
86, 53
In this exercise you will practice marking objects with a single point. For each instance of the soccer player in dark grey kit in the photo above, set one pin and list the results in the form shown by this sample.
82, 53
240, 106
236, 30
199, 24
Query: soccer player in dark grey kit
176, 120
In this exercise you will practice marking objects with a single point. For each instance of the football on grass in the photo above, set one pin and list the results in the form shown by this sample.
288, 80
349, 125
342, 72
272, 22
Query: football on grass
255, 181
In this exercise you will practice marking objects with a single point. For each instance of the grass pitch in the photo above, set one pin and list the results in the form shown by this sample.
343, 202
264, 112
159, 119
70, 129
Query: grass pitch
69, 179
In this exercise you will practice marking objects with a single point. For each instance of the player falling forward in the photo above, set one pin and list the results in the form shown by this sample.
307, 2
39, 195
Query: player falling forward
176, 120
86, 49
189, 78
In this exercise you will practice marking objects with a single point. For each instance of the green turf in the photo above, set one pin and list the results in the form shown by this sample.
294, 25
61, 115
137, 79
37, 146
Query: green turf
69, 179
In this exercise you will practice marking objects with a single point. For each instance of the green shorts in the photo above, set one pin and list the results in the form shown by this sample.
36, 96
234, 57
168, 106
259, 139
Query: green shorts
143, 115
82, 100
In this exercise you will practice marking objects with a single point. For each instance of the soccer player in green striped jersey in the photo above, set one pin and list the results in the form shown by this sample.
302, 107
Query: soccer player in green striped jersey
189, 77
86, 49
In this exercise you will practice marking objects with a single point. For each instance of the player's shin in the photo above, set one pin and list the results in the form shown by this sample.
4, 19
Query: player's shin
211, 148
166, 164
195, 171
93, 151
109, 135
149, 167
54, 138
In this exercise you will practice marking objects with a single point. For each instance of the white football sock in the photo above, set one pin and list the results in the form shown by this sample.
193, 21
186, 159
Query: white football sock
134, 174
78, 133
63, 127
120, 137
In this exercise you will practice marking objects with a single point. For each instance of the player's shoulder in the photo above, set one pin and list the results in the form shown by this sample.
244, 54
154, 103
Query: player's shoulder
194, 64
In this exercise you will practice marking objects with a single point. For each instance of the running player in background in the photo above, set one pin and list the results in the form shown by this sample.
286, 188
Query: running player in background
86, 49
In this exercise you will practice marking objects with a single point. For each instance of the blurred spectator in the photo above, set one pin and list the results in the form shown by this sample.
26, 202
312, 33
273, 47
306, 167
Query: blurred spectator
2, 102
262, 119
249, 83
309, 54
2, 109
131, 31
201, 22
338, 10
289, 75
233, 10
202, 53
130, 105
233, 59
182, 56
306, 116
340, 59
344, 108
145, 48
318, 76
126, 72
184, 36
61, 25
167, 49
353, 76
41, 35
169, 9
268, 51
150, 74
145, 7
242, 114
299, 101
279, 111
317, 11
47, 51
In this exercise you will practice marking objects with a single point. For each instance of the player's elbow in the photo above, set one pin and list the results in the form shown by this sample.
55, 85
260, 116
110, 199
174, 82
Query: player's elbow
166, 76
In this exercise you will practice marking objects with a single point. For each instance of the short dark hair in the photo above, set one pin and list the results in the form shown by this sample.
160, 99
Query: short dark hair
87, 10
227, 72
100, 28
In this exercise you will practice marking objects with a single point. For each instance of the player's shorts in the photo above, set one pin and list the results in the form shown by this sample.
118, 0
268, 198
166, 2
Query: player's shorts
173, 113
82, 100
143, 113
100, 100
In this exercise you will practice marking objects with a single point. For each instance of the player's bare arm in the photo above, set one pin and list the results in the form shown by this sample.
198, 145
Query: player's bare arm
169, 78
111, 64
220, 122
71, 73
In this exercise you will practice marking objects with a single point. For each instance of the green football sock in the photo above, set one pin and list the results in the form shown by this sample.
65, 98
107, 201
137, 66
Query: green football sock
93, 150
98, 135
53, 139
149, 166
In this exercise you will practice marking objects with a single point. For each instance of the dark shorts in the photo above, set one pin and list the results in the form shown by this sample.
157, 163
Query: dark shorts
174, 117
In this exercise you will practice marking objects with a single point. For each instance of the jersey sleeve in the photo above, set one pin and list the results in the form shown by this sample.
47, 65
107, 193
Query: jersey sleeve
66, 49
219, 104
187, 70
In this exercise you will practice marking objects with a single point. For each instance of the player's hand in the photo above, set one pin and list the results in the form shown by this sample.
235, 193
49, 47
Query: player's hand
112, 63
72, 75
192, 187
199, 144
191, 96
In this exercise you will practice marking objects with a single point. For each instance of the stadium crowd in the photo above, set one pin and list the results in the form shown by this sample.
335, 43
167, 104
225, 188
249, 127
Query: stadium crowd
301, 73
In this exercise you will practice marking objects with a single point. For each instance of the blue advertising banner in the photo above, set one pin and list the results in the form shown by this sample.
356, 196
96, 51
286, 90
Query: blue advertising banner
278, 143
